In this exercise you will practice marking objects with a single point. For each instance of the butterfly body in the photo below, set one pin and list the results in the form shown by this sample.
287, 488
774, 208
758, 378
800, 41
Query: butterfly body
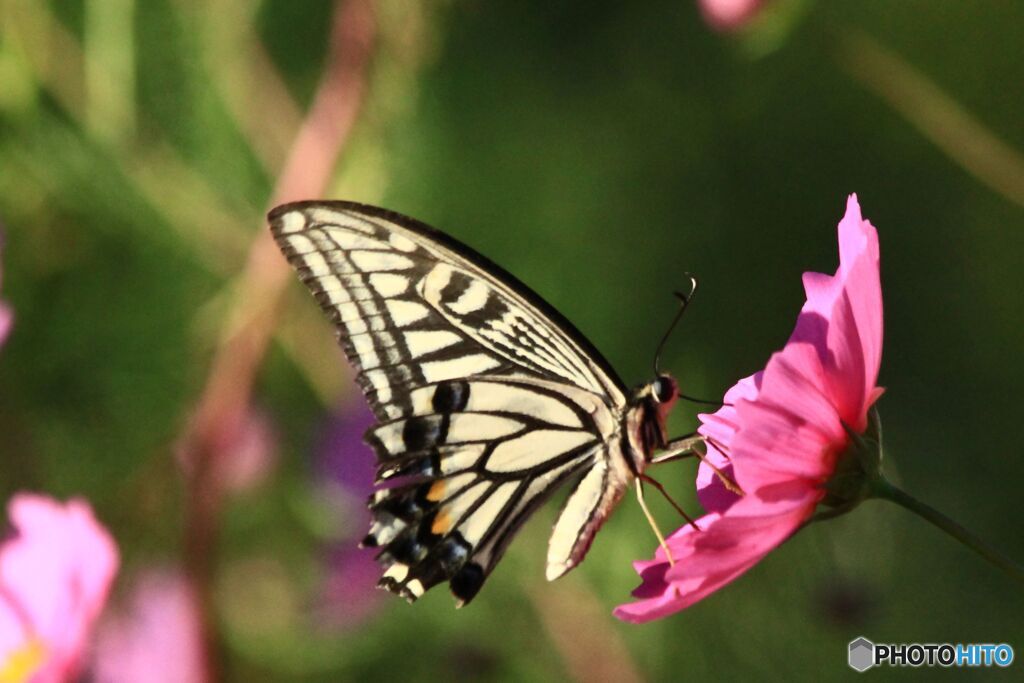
486, 398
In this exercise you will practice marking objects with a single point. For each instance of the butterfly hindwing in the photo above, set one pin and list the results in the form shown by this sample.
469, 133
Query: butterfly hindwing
475, 475
486, 399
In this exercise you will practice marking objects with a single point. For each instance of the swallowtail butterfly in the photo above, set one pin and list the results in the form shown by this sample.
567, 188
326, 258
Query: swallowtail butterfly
486, 398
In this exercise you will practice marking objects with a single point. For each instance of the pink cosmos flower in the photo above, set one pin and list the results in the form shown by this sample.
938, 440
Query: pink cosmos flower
729, 15
780, 435
55, 572
157, 639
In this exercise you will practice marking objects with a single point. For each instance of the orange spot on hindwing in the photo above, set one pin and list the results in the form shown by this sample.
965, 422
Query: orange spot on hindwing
436, 491
442, 523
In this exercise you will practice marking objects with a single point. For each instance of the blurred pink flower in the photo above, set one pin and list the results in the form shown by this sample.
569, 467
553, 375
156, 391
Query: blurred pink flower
729, 15
780, 434
55, 572
246, 452
6, 319
347, 465
6, 315
157, 639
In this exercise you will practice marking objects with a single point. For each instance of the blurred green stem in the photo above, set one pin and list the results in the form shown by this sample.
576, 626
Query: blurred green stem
884, 489
109, 51
935, 114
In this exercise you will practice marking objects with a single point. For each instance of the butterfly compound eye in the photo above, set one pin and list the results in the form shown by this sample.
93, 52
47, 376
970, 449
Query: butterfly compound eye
665, 389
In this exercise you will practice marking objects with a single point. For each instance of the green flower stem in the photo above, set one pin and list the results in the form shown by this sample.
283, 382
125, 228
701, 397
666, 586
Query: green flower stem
883, 489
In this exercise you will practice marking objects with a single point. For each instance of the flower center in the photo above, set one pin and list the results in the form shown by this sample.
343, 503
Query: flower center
23, 662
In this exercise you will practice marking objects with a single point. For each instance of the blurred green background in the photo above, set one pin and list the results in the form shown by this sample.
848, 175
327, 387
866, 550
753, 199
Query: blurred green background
597, 150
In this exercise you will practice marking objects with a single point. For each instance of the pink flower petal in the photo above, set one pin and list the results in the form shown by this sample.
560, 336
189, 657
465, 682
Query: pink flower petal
843, 319
720, 427
712, 492
706, 560
157, 639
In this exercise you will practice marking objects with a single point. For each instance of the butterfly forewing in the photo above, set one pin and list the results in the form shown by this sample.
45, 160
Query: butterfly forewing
486, 399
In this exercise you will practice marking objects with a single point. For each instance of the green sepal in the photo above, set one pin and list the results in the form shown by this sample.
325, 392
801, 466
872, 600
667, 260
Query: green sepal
858, 470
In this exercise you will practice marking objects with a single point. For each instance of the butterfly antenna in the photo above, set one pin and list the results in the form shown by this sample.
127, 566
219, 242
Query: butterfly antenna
685, 299
704, 401
654, 525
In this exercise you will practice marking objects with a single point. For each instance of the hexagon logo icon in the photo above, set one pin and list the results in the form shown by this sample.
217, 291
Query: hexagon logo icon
862, 654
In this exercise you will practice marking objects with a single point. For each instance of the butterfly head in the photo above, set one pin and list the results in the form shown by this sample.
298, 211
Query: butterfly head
664, 394
653, 402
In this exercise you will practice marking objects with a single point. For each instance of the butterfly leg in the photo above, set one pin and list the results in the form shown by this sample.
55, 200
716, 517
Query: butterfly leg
657, 484
728, 481
686, 447
650, 520
677, 449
